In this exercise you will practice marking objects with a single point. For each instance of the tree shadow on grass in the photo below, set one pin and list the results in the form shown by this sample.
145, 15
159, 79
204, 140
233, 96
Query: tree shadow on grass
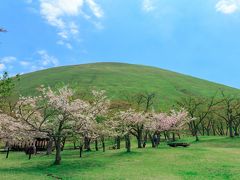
46, 169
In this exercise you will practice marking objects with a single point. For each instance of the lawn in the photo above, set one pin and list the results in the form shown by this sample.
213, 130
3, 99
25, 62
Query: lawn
211, 158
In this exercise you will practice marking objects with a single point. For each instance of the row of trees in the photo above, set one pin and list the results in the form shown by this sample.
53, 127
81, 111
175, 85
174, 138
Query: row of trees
59, 115
219, 115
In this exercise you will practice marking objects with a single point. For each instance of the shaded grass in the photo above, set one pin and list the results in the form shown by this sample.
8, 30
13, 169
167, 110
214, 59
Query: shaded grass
211, 158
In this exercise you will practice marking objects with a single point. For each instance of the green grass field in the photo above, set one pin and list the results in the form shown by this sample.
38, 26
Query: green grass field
211, 158
120, 80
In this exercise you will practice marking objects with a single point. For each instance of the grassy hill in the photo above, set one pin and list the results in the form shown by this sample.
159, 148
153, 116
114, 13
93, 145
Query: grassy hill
120, 79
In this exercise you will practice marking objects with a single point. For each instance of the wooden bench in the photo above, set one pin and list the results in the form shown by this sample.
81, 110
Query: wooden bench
179, 144
3, 151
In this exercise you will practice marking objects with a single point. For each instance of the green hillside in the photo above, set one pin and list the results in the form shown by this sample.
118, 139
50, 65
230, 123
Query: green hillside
120, 79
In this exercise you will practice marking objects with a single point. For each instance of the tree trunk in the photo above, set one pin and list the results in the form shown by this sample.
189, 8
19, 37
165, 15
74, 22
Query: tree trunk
63, 143
165, 136
158, 140
179, 137
8, 149
139, 136
173, 136
96, 145
6, 145
29, 155
87, 143
58, 151
80, 150
195, 131
118, 142
145, 140
49, 147
74, 145
152, 140
128, 143
103, 144
196, 135
203, 129
231, 129
236, 133
139, 140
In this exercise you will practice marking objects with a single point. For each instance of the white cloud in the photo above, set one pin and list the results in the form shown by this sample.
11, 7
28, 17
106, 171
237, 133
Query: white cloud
5, 62
2, 67
148, 5
73, 28
96, 9
24, 63
54, 10
41, 60
47, 60
8, 59
68, 45
227, 6
63, 34
62, 15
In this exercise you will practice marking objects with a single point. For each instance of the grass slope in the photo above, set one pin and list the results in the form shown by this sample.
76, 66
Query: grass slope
119, 79
211, 158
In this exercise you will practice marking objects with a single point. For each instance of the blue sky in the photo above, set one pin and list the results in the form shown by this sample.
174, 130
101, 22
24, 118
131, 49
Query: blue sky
199, 38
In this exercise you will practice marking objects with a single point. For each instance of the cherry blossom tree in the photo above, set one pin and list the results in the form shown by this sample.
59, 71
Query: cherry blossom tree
58, 115
165, 122
125, 124
87, 124
13, 131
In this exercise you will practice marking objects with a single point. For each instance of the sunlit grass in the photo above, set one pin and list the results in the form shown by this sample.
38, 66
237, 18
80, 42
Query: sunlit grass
211, 158
120, 80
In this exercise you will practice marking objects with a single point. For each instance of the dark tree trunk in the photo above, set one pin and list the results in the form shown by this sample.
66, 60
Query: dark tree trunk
165, 136
208, 132
203, 129
158, 139
128, 143
173, 136
168, 136
152, 140
118, 142
213, 130
7, 145
231, 129
179, 137
49, 147
139, 136
29, 155
80, 150
96, 145
236, 130
139, 140
196, 135
74, 145
63, 143
191, 128
58, 151
103, 144
87, 143
195, 131
8, 149
145, 140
